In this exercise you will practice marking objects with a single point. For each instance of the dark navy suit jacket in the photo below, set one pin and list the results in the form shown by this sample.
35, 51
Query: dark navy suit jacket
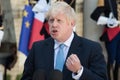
90, 54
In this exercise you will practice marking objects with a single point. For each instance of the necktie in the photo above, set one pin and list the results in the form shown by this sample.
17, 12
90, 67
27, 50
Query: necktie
60, 58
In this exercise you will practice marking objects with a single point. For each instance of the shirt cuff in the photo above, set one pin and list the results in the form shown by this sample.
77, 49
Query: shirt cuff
76, 77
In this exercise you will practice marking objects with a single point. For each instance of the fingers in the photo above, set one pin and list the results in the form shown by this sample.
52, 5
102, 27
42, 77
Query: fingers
73, 63
72, 59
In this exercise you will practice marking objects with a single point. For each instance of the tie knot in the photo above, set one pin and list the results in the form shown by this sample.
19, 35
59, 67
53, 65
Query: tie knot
61, 46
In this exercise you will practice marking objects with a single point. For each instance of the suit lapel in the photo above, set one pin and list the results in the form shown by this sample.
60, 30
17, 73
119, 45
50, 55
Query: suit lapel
74, 48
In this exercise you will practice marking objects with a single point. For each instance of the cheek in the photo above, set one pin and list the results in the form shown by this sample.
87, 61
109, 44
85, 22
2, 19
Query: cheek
66, 28
50, 29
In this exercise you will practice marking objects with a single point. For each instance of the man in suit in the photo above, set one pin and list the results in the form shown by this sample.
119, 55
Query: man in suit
111, 33
82, 58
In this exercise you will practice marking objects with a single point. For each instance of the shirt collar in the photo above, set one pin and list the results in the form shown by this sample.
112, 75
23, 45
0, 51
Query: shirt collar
67, 42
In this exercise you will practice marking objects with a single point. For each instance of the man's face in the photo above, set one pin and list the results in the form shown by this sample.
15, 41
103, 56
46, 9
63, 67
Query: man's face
60, 27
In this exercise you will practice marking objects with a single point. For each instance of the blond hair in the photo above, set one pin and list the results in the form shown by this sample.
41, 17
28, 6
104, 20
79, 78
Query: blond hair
61, 6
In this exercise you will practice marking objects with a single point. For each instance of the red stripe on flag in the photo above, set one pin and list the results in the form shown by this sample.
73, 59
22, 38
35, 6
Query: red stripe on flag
35, 34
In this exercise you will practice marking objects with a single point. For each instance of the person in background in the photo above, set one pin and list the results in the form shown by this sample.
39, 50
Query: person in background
107, 14
1, 27
79, 58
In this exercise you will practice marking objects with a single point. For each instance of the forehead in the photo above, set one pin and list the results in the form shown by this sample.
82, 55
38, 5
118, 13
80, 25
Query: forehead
59, 15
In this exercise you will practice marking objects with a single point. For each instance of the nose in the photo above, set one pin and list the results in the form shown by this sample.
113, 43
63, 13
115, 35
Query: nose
54, 24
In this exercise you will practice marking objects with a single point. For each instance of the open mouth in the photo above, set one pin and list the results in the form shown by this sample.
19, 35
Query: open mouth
54, 31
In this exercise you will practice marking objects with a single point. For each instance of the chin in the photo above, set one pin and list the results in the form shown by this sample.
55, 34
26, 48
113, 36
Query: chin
54, 36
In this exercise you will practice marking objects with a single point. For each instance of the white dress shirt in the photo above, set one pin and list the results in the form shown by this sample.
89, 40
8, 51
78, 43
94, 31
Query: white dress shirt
67, 44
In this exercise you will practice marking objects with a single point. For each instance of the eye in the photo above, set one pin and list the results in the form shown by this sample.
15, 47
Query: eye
59, 20
51, 20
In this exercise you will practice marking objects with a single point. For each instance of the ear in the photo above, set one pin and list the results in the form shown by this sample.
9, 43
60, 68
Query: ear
72, 23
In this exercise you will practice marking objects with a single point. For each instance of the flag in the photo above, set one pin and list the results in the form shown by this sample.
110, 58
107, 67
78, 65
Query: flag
27, 21
39, 10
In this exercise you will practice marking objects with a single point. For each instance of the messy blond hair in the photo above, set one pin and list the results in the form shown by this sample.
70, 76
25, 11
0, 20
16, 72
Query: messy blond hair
61, 6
